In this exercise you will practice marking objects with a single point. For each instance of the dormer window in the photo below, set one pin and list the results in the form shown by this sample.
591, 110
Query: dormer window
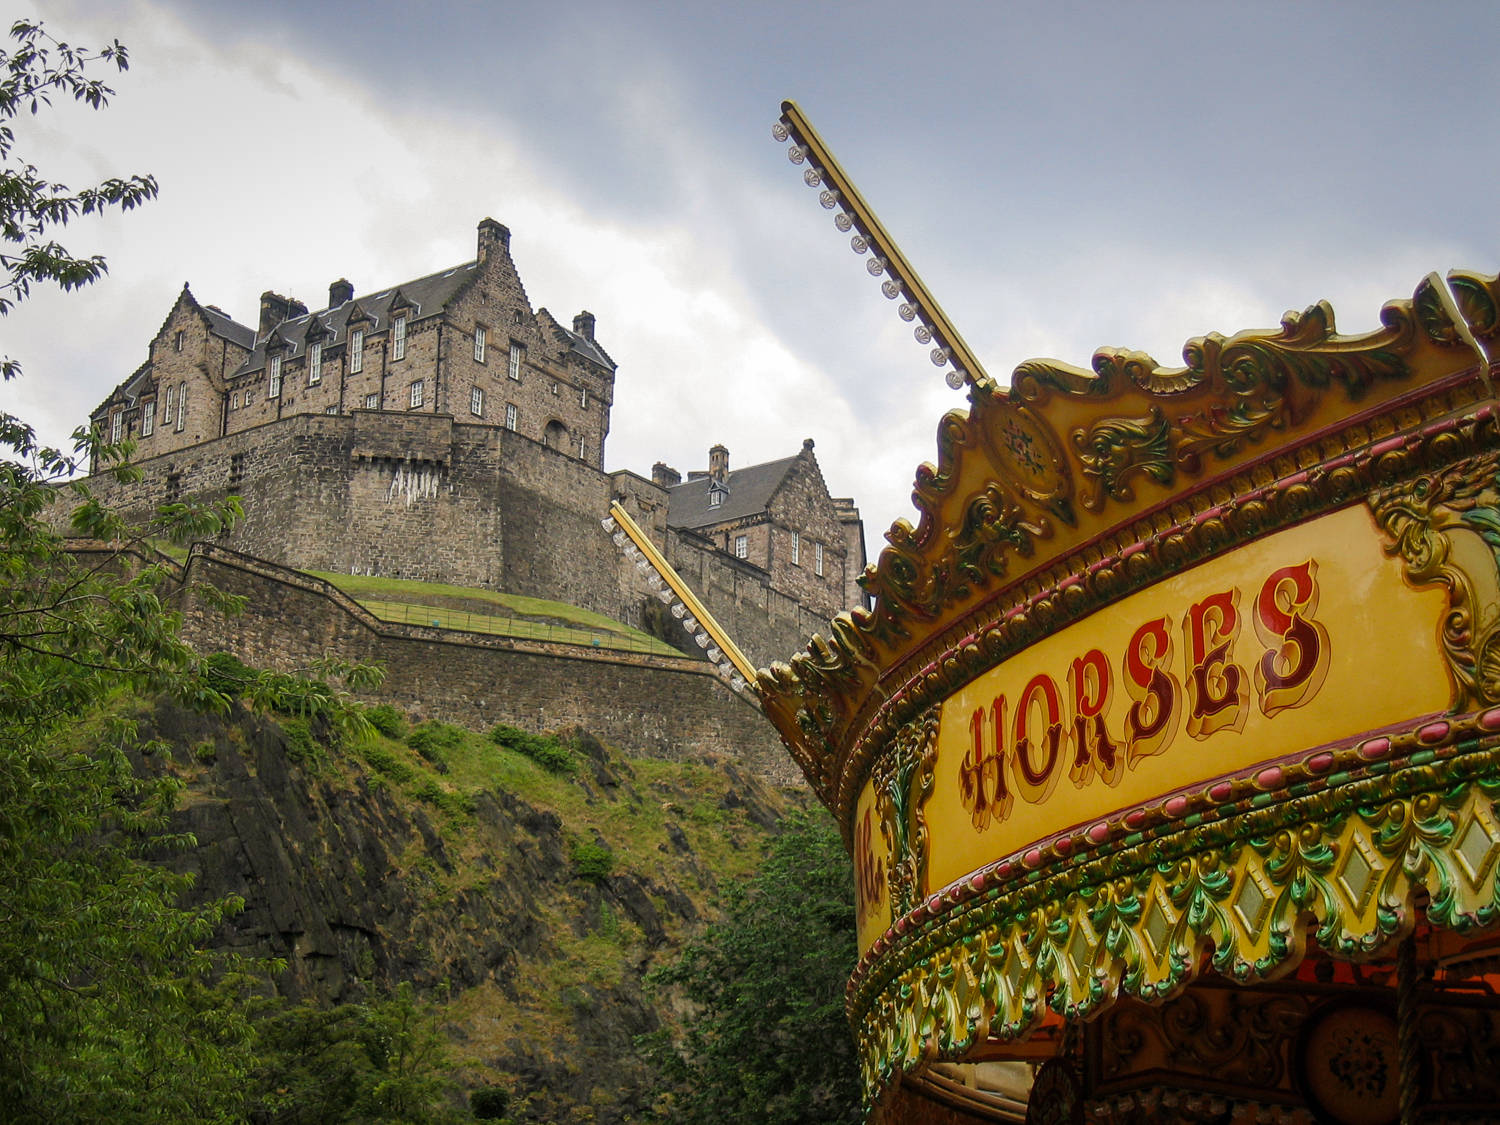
716, 494
274, 390
356, 351
398, 338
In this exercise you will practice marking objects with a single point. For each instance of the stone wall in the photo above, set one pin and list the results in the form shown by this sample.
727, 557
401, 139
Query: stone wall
661, 706
422, 496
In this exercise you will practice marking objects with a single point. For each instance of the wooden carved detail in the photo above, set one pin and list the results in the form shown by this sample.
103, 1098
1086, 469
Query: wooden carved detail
903, 782
1445, 526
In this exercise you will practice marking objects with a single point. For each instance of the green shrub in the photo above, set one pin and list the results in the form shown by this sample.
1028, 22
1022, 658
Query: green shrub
382, 761
387, 719
544, 750
591, 861
301, 745
458, 804
489, 1104
225, 672
433, 739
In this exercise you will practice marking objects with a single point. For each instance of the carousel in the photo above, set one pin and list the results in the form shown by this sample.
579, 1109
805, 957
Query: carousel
1168, 753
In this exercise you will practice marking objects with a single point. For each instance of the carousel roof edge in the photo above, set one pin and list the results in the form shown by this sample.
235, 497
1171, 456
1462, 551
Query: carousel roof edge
1070, 487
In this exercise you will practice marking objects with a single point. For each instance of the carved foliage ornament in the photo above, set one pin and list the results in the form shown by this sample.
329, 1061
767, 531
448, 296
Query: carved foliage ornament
1143, 917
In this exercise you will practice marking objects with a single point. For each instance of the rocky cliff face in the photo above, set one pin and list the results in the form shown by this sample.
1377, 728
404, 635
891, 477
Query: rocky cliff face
531, 903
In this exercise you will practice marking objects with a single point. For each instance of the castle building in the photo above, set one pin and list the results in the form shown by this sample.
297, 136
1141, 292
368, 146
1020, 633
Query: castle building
442, 429
462, 342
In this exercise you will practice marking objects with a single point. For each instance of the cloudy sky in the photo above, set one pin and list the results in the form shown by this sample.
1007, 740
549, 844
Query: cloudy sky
1064, 176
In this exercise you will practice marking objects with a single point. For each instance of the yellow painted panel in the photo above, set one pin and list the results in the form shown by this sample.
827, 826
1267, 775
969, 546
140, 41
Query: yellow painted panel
872, 865
1296, 640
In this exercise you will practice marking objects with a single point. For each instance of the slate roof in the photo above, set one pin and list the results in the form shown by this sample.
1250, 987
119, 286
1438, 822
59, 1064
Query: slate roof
222, 324
750, 492
424, 297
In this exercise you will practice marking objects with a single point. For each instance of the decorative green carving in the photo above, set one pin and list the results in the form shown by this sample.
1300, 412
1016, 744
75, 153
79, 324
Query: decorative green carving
902, 785
1136, 919
1445, 526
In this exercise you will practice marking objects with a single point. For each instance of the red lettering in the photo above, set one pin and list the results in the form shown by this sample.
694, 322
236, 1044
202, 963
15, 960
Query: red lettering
1152, 719
1295, 665
981, 776
869, 871
1089, 682
1218, 691
1035, 782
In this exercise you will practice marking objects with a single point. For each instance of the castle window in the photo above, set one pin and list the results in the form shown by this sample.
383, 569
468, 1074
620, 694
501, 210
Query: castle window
116, 425
741, 547
476, 401
174, 486
372, 402
796, 549
177, 341
554, 387
416, 394
330, 410
314, 364
583, 398
818, 558
249, 397
517, 354
356, 351
583, 448
479, 344
170, 413
510, 415
236, 469
181, 406
715, 496
398, 338
274, 390
148, 417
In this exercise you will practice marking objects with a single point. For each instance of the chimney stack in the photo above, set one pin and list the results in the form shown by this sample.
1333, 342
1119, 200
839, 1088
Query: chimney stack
339, 292
583, 325
664, 475
491, 236
718, 464
274, 308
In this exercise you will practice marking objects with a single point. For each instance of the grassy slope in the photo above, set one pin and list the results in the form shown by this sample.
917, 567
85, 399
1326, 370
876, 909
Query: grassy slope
489, 611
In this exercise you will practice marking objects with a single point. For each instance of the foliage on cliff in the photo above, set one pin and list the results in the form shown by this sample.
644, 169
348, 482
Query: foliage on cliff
768, 1043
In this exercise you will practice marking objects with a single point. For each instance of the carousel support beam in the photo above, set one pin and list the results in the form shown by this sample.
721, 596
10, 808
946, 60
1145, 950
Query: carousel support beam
1408, 1046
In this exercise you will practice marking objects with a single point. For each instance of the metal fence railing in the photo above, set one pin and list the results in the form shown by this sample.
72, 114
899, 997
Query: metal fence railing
405, 613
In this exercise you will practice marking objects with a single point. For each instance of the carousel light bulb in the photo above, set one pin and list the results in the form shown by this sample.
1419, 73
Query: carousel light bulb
922, 333
713, 655
940, 356
664, 596
737, 683
875, 266
843, 222
829, 199
678, 609
690, 623
702, 639
859, 244
608, 523
796, 154
890, 289
955, 379
780, 132
907, 311
812, 177
620, 539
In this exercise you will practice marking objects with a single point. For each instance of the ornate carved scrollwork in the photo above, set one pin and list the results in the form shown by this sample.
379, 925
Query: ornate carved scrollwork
903, 782
1445, 526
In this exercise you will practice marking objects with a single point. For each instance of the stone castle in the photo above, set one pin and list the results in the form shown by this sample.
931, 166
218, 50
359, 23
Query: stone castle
442, 429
